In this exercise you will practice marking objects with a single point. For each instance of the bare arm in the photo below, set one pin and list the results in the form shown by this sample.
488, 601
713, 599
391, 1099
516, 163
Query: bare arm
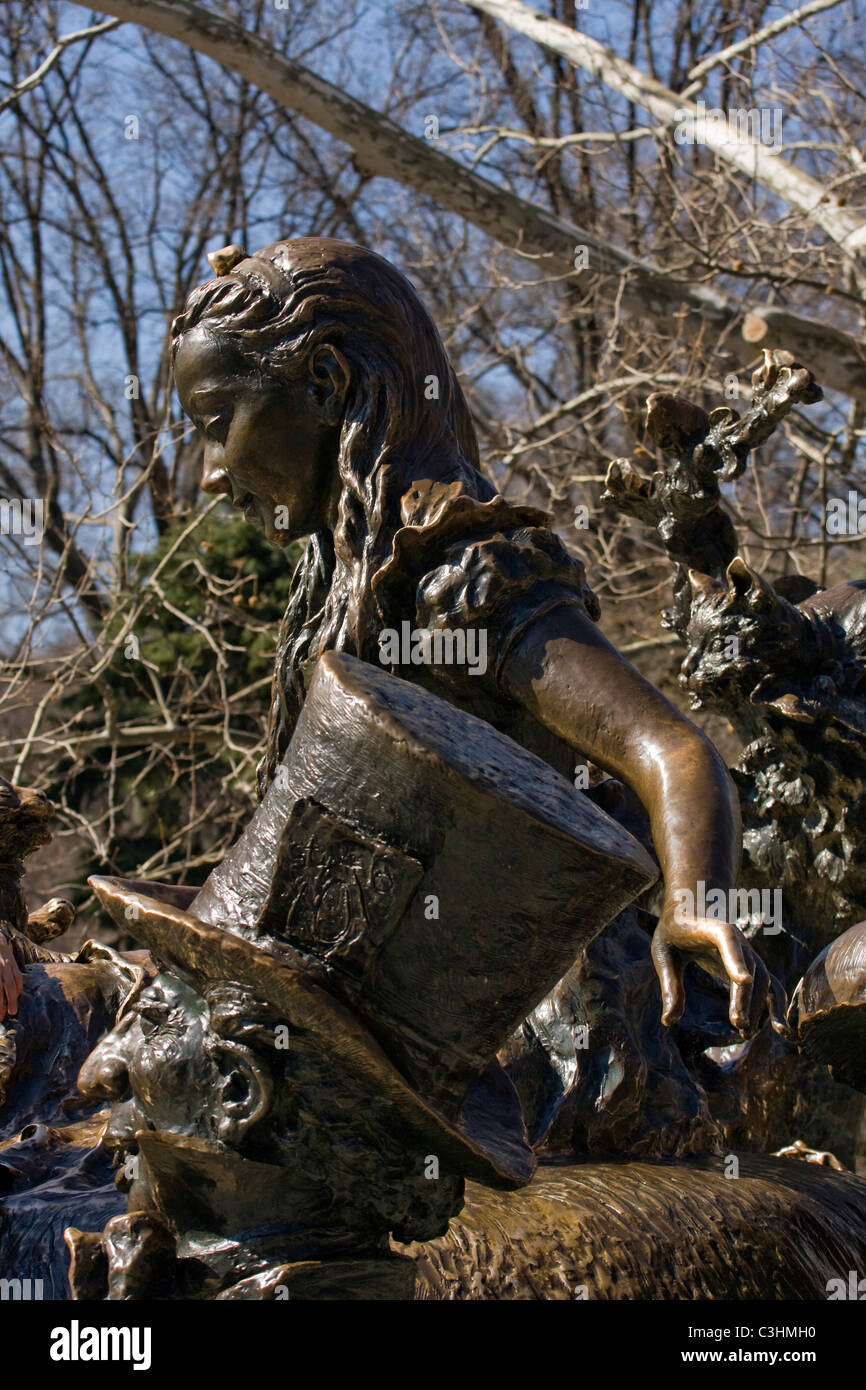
566, 673
11, 979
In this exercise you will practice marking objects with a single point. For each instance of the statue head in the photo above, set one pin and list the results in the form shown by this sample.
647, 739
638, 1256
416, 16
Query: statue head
736, 629
24, 828
751, 649
323, 391
24, 817
226, 1120
331, 344
172, 1063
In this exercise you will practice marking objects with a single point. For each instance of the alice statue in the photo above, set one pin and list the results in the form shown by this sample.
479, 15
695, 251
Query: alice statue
329, 410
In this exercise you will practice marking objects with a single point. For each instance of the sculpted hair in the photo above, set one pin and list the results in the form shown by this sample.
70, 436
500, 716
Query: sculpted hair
275, 308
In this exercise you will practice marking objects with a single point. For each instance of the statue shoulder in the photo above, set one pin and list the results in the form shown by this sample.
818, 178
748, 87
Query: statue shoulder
491, 565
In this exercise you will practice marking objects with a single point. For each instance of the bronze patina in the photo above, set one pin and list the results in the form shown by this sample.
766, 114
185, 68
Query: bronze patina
305, 368
420, 1032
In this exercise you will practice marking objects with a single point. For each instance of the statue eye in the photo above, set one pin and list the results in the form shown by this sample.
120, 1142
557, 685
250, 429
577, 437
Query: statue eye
216, 426
151, 1010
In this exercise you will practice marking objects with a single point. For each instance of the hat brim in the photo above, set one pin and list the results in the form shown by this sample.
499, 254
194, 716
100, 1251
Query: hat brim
487, 1142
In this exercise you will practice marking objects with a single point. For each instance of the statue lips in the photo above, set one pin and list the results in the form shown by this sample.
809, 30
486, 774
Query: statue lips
251, 506
244, 502
123, 1127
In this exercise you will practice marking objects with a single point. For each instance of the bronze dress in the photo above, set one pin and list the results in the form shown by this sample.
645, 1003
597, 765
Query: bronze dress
595, 1068
459, 562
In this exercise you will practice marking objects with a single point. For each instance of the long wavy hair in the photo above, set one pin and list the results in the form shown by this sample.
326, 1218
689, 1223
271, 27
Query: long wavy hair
275, 308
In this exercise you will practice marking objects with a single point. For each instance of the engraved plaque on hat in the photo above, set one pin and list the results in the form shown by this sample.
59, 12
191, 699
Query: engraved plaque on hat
336, 893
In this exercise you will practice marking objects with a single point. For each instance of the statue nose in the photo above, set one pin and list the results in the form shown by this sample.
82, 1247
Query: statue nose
214, 477
104, 1075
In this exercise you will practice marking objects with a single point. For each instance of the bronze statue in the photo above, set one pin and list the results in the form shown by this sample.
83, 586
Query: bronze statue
828, 1010
302, 1090
50, 1134
357, 964
784, 661
329, 410
24, 817
371, 1012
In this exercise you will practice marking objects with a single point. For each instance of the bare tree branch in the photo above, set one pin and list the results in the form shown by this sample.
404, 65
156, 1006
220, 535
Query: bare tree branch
383, 149
79, 36
753, 41
745, 153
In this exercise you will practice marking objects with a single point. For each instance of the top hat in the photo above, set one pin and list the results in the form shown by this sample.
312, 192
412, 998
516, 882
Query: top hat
827, 1014
411, 886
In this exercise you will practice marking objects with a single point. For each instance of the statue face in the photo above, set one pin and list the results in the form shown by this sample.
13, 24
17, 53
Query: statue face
270, 445
169, 1070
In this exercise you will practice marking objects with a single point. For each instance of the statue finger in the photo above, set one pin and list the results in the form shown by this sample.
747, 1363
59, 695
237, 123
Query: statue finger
777, 1007
669, 971
728, 941
12, 983
740, 964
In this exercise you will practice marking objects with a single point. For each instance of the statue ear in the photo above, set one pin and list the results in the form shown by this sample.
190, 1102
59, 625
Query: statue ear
703, 586
793, 707
748, 586
331, 376
245, 1093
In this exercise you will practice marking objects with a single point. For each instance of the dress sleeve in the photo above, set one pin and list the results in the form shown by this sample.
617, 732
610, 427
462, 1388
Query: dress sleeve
490, 565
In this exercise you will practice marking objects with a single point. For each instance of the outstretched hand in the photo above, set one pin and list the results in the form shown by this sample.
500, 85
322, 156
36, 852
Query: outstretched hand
722, 950
11, 980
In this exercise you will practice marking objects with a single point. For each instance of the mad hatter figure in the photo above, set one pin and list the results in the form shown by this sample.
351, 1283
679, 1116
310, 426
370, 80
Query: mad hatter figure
314, 1068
